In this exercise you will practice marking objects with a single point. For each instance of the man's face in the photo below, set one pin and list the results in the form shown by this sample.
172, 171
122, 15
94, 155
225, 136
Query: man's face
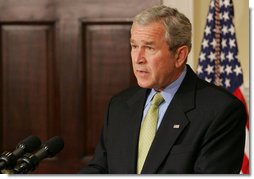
153, 62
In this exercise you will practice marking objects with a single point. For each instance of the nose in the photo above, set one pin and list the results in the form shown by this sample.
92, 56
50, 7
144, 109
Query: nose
140, 56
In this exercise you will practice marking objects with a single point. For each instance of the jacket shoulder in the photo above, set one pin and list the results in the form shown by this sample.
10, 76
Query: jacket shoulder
212, 94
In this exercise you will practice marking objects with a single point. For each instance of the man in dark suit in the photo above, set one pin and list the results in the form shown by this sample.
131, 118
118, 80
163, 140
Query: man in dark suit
200, 128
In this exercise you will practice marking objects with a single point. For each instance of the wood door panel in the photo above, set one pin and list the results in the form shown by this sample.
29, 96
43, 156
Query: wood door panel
107, 70
27, 82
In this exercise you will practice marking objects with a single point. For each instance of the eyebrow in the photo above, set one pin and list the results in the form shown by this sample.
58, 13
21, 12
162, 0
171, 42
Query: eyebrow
132, 41
149, 42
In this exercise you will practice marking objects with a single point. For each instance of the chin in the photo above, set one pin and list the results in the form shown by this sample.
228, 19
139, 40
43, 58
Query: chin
144, 85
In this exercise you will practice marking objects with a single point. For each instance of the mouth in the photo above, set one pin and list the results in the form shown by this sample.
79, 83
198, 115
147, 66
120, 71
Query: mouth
142, 72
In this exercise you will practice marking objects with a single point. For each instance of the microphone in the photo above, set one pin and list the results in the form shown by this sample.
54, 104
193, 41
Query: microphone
8, 159
29, 161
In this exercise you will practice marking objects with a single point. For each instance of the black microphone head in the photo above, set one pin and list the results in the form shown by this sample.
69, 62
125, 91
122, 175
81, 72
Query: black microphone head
30, 143
54, 145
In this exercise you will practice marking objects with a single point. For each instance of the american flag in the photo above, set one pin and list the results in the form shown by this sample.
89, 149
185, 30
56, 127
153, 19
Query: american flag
218, 59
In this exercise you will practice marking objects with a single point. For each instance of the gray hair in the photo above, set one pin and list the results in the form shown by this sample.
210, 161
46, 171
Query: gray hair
177, 26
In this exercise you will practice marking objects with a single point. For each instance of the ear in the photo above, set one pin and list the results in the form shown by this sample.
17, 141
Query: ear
181, 56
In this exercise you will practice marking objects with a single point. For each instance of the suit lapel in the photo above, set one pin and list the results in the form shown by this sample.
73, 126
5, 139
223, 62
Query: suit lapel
173, 124
165, 137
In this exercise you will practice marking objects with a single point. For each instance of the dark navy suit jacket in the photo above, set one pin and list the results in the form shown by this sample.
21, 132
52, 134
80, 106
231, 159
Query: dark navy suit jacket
209, 137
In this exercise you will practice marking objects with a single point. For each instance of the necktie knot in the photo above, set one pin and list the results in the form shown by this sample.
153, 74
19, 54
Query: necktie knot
157, 99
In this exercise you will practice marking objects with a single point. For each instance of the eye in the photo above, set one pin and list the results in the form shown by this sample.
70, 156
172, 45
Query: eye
149, 48
133, 46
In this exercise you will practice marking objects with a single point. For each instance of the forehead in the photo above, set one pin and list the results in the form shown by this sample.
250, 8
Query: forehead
151, 32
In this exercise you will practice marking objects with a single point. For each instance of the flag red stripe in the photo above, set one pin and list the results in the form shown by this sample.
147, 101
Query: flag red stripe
245, 165
240, 96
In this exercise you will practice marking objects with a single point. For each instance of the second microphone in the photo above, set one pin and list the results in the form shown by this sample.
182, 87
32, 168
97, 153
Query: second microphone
29, 162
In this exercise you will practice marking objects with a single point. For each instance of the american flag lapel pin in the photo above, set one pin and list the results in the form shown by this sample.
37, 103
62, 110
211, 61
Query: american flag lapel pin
176, 126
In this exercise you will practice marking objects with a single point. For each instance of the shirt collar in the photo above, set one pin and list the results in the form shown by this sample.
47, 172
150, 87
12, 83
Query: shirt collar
169, 92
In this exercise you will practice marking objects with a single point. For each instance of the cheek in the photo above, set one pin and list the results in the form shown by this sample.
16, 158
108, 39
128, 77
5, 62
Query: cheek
162, 69
161, 64
133, 58
132, 55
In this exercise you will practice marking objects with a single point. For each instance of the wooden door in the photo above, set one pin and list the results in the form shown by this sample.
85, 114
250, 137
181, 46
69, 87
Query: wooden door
61, 61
